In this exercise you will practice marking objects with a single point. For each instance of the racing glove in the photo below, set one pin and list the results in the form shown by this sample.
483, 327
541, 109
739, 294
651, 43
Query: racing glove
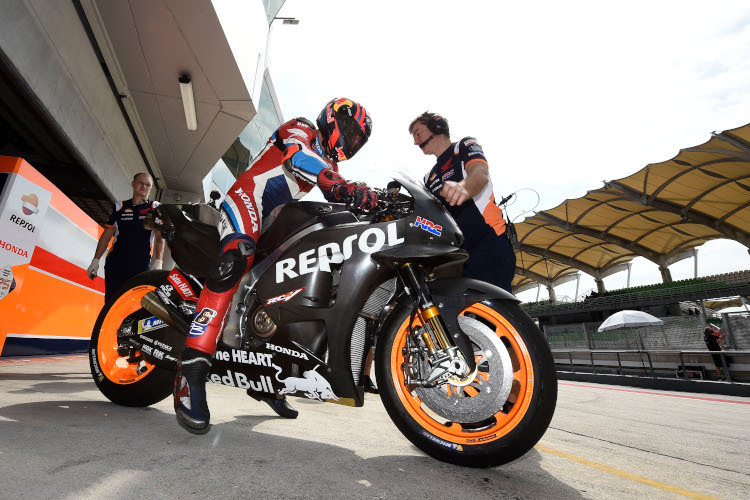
336, 188
156, 265
93, 269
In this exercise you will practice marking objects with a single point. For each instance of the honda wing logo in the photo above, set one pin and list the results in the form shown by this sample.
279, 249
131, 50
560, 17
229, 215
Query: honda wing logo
429, 226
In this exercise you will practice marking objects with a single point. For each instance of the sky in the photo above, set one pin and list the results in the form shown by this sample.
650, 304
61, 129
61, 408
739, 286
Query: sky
561, 95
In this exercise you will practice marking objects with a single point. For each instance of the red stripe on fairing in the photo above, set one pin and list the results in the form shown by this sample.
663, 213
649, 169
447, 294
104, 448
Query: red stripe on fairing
716, 400
47, 261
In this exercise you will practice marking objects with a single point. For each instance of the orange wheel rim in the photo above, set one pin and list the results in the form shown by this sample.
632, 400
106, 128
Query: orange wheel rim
505, 421
113, 366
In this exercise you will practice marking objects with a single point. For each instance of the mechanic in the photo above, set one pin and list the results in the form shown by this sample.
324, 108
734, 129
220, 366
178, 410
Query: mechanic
131, 251
296, 157
461, 180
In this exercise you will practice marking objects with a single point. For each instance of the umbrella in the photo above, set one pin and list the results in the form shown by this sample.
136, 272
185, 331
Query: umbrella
632, 319
629, 319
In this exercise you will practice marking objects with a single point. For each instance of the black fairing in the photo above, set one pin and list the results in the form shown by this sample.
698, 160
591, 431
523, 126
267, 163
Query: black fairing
194, 244
313, 284
293, 217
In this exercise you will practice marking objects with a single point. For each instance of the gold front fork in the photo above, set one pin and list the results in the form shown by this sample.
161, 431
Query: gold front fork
427, 309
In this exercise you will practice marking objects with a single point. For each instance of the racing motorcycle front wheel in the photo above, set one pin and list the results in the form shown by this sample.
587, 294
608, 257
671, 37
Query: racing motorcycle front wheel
493, 416
125, 378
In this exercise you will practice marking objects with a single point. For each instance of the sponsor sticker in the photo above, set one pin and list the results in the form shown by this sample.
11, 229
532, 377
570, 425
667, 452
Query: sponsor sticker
7, 282
311, 384
447, 174
152, 352
179, 283
429, 226
9, 247
149, 324
95, 362
288, 352
237, 379
200, 323
442, 442
23, 223
482, 439
369, 241
245, 357
250, 207
30, 204
286, 297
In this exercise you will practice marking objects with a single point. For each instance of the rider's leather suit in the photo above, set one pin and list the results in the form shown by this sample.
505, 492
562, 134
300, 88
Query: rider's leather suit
287, 168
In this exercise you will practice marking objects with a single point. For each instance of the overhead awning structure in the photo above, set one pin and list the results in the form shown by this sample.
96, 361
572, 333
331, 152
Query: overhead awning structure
149, 46
660, 213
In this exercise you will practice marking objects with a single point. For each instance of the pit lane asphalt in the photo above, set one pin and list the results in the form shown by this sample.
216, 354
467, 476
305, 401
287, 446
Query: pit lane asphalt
60, 438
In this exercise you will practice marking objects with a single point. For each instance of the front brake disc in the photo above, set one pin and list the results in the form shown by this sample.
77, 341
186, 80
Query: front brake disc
489, 390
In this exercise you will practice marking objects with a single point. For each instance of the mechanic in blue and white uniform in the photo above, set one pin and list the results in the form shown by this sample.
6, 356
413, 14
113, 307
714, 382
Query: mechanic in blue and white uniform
131, 251
461, 180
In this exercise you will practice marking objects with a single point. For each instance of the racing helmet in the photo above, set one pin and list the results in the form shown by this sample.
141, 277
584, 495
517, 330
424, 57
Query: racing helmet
345, 127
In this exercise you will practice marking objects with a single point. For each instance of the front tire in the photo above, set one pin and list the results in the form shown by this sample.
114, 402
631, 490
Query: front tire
116, 378
502, 429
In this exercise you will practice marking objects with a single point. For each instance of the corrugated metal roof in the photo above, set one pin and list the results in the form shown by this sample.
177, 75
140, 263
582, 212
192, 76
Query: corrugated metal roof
666, 208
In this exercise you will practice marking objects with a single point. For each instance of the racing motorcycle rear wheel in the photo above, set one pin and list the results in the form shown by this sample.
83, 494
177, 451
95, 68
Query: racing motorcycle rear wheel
126, 380
493, 416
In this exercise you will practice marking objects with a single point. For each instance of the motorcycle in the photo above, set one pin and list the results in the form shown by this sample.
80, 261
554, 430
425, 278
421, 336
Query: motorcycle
462, 371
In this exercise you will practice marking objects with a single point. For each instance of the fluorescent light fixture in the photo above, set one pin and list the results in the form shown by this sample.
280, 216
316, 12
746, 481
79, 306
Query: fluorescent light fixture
188, 101
286, 20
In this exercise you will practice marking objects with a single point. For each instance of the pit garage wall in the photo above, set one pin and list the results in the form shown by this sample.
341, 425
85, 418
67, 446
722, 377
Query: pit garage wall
48, 246
49, 51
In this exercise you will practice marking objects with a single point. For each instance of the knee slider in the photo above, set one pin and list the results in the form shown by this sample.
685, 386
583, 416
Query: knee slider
227, 271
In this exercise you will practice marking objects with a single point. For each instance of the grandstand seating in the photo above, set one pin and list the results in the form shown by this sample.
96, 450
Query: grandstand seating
720, 285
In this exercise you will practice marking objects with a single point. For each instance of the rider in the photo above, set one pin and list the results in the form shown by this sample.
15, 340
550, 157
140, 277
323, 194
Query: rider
296, 157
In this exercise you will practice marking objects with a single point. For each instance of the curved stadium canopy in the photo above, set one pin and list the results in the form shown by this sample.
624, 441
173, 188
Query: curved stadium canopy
660, 213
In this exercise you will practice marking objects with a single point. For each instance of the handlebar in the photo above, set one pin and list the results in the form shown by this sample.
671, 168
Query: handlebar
391, 204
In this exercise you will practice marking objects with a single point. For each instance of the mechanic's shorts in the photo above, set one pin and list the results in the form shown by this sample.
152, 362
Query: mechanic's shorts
492, 260
116, 273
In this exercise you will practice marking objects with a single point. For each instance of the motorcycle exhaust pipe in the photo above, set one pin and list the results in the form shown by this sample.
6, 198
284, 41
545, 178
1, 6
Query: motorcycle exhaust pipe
152, 304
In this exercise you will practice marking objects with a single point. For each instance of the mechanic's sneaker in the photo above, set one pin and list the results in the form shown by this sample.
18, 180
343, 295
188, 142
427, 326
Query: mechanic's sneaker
278, 404
190, 405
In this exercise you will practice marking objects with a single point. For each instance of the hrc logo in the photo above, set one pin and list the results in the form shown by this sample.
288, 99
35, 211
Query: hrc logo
429, 226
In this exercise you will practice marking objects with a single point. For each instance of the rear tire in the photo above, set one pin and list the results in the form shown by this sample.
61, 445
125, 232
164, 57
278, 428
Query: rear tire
505, 432
117, 379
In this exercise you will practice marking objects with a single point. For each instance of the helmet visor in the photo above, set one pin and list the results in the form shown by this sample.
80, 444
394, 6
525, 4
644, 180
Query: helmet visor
352, 138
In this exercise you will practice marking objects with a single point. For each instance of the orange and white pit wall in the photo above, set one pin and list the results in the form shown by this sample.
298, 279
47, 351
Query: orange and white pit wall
54, 305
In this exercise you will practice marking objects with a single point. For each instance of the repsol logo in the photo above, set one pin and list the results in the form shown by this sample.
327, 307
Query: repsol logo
23, 223
250, 208
369, 241
13, 249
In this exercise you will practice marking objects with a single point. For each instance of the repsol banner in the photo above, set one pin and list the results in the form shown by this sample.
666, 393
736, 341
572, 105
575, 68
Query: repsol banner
23, 206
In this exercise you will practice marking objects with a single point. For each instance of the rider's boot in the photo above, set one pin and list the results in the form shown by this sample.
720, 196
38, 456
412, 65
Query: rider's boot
223, 280
190, 404
279, 404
